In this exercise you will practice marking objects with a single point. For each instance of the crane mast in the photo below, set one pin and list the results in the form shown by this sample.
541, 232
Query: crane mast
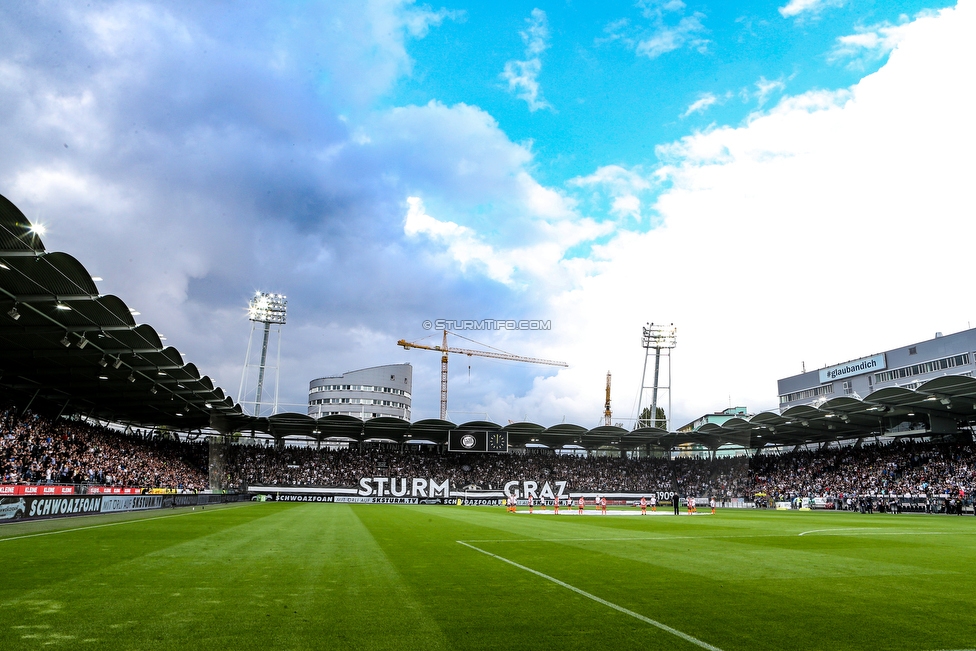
607, 414
444, 349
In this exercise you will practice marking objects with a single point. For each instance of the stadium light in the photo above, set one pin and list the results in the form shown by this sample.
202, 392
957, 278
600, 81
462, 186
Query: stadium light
132, 377
657, 335
103, 362
268, 308
83, 341
153, 390
14, 314
65, 341
117, 363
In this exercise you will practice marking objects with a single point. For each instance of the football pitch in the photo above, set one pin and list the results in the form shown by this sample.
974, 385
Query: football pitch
336, 576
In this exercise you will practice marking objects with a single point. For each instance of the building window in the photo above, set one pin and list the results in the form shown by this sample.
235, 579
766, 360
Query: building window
923, 368
913, 350
822, 390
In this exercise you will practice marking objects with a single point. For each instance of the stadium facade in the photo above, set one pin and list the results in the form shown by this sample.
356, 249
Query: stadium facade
906, 367
366, 393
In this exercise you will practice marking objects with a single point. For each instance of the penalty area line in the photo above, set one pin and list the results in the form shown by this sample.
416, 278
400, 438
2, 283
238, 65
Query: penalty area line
608, 604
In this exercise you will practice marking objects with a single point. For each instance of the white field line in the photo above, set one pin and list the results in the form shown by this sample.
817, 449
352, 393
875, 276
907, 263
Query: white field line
608, 604
108, 524
651, 538
873, 531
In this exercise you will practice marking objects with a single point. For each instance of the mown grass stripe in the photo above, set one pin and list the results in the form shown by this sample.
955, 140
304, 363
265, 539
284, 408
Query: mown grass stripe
599, 600
112, 524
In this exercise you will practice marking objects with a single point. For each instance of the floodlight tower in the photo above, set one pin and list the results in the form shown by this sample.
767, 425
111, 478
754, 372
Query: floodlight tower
270, 310
656, 337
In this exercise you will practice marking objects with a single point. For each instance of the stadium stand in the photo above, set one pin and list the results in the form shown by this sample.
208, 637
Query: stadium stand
899, 468
37, 450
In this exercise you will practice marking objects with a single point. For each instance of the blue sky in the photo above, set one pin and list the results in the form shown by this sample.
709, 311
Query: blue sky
598, 165
609, 101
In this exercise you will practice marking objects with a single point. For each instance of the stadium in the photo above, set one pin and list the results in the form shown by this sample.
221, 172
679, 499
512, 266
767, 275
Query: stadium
142, 508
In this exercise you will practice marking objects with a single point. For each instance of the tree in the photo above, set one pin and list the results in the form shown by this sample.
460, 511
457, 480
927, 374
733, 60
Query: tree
645, 419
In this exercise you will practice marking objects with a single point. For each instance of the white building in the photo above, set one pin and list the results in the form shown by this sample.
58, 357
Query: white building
365, 393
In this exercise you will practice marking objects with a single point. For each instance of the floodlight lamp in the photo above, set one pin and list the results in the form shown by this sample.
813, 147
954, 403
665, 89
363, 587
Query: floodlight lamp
13, 313
65, 341
61, 306
945, 401
656, 335
117, 363
153, 390
132, 377
103, 362
268, 308
37, 229
83, 341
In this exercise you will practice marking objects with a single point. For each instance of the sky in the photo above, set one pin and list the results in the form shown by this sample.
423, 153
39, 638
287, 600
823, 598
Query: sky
788, 183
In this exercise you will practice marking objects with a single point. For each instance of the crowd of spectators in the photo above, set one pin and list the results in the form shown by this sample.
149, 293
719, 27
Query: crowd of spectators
899, 468
267, 466
37, 450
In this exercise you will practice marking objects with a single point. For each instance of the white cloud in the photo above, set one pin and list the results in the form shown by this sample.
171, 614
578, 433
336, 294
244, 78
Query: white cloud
622, 186
798, 7
870, 43
462, 243
523, 76
669, 29
766, 87
538, 259
700, 105
800, 236
669, 38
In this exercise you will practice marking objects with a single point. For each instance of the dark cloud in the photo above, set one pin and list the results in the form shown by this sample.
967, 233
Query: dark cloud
190, 156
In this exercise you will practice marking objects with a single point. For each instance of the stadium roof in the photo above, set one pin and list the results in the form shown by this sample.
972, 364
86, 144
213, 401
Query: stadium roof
67, 347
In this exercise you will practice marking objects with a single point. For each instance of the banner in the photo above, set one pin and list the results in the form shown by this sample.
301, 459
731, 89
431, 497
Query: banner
115, 490
381, 500
12, 508
49, 507
16, 489
119, 503
302, 498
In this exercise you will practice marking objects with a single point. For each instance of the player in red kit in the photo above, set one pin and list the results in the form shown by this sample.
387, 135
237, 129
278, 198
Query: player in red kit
582, 503
643, 506
603, 505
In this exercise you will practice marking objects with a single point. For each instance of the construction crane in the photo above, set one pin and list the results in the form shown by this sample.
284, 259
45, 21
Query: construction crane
445, 350
607, 414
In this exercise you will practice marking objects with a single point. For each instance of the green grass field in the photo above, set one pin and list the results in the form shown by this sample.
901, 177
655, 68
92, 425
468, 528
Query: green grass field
332, 576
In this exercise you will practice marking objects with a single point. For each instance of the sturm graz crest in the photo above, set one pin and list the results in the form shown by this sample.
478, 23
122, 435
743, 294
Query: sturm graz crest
468, 441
